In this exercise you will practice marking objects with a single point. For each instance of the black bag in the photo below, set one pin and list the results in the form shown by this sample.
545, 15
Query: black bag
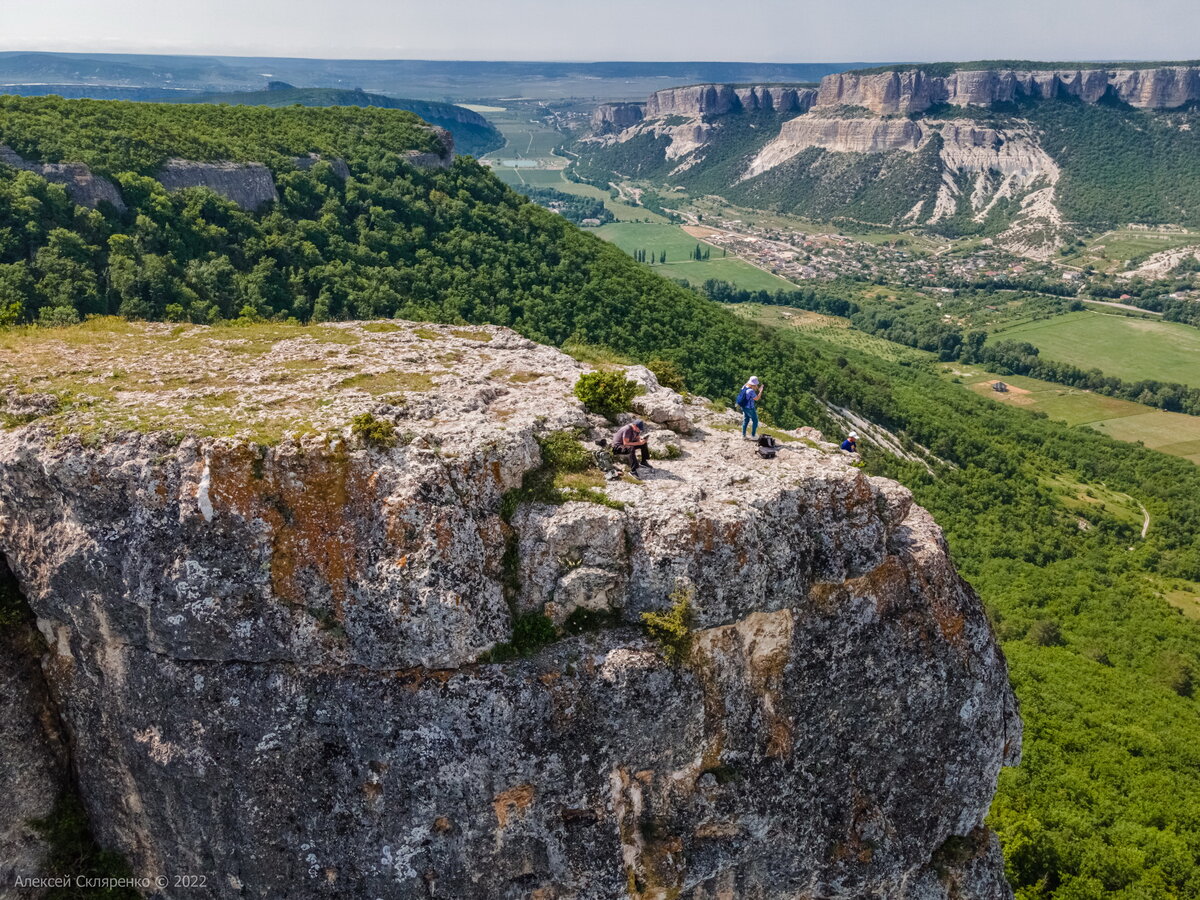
766, 452
767, 447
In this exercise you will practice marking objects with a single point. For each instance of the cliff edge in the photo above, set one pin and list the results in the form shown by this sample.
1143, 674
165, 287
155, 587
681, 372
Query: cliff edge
285, 649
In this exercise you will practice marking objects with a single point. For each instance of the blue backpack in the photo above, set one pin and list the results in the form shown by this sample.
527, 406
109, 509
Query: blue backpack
743, 397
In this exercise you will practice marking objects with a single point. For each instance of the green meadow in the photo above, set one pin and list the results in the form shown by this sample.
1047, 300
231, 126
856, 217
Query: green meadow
1130, 348
679, 247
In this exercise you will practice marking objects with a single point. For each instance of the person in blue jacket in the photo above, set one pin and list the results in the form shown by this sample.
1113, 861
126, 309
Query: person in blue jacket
747, 401
850, 444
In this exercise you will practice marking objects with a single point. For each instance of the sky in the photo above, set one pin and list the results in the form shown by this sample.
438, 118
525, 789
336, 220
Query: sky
710, 30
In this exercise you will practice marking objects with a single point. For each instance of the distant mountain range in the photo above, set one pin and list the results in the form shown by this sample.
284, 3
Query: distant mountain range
1022, 152
427, 79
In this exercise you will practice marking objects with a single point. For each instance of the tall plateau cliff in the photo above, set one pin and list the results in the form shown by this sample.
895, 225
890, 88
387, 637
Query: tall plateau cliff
277, 649
905, 146
906, 91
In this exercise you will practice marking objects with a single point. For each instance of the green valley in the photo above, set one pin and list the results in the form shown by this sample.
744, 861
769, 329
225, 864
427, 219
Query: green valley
1042, 517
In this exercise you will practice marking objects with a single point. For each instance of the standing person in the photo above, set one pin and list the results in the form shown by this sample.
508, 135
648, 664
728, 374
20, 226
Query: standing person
747, 401
630, 441
850, 444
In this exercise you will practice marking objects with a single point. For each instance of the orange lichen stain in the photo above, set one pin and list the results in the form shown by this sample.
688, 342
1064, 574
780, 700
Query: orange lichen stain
779, 738
950, 620
512, 802
373, 790
442, 825
315, 507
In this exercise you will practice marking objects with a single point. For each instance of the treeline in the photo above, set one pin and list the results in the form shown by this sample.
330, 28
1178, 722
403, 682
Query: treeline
124, 137
1020, 358
813, 301
571, 207
922, 326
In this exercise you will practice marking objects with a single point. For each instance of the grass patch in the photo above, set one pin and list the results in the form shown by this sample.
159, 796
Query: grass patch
380, 327
1134, 349
467, 335
389, 382
427, 334
567, 473
671, 451
597, 355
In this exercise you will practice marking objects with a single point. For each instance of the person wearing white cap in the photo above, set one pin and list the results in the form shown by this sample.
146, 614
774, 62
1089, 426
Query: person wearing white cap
747, 401
850, 444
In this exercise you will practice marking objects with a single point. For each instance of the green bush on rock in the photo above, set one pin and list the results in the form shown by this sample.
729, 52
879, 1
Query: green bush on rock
606, 393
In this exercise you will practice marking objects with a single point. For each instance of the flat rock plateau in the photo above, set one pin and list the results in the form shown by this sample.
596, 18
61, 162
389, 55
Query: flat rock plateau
286, 658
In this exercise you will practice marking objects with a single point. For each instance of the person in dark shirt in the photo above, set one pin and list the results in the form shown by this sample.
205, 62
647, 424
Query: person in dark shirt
850, 444
630, 441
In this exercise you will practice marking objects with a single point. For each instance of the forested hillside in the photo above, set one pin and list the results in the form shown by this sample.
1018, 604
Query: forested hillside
473, 134
1107, 802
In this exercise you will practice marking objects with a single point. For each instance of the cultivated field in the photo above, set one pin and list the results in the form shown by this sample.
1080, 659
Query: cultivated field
1167, 432
679, 246
1114, 250
1129, 348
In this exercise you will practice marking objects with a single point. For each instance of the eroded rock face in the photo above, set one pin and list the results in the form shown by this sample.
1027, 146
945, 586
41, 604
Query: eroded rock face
249, 185
267, 658
722, 99
32, 759
610, 117
904, 92
84, 188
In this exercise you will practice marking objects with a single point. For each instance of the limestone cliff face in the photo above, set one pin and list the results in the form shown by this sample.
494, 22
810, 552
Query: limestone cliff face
268, 657
966, 146
609, 117
722, 99
33, 765
84, 188
689, 117
249, 185
910, 91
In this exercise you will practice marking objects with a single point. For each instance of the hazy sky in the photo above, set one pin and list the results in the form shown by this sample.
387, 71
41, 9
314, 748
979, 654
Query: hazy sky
776, 30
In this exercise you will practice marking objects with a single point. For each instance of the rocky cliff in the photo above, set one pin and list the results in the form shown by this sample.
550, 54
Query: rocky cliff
610, 117
250, 185
906, 91
999, 163
84, 188
268, 638
723, 99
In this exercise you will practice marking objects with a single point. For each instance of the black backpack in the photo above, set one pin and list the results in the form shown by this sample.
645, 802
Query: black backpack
767, 447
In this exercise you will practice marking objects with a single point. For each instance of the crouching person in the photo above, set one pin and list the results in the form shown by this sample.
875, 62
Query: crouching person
630, 441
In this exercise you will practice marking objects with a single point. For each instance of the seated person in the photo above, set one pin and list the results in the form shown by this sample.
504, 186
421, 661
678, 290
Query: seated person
630, 441
850, 444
